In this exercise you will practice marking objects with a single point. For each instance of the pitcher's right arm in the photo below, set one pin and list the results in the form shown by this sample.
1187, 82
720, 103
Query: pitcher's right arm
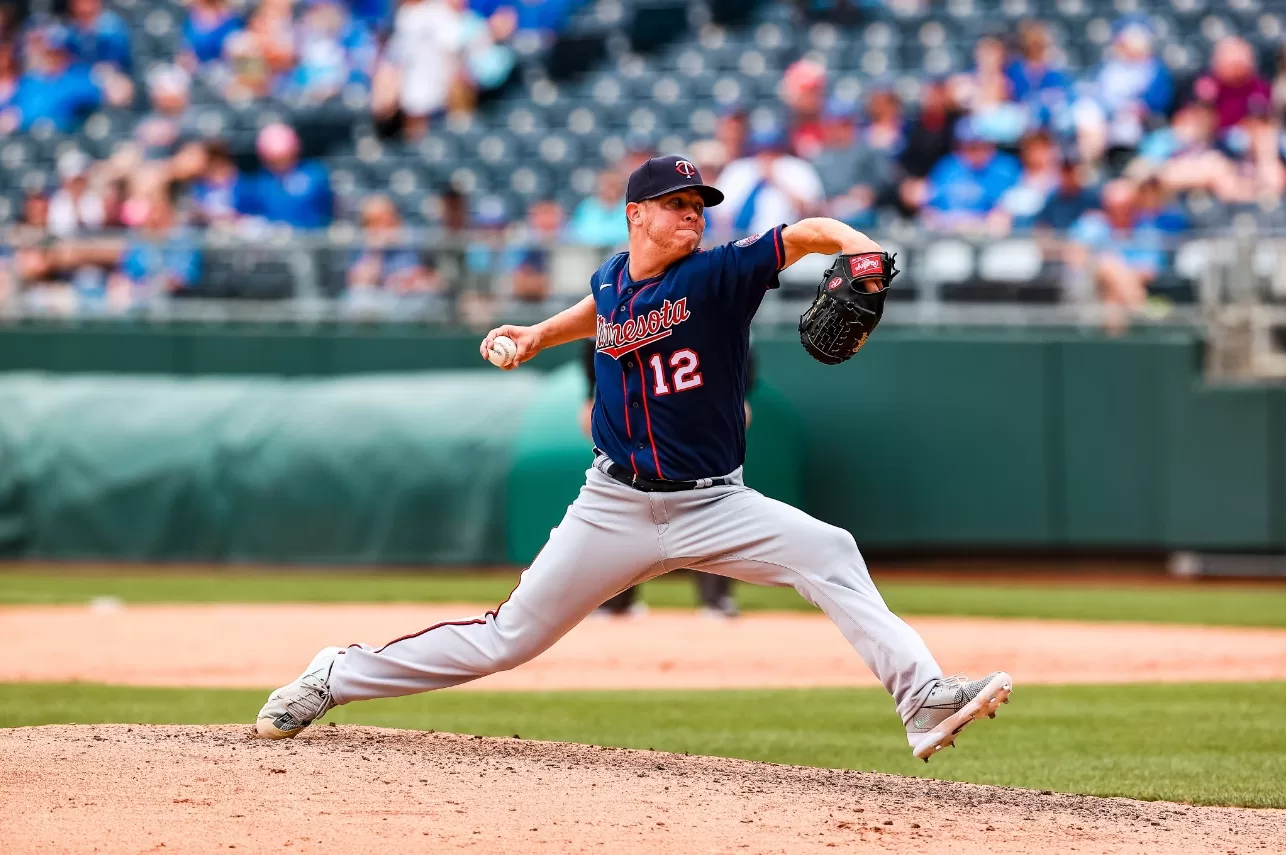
569, 325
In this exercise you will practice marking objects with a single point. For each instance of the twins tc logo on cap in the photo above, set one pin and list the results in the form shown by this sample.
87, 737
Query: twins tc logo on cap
869, 262
685, 168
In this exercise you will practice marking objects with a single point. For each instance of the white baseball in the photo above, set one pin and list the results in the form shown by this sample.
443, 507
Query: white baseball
503, 351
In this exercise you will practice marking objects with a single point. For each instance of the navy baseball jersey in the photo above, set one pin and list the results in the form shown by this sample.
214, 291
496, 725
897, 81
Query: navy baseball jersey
671, 358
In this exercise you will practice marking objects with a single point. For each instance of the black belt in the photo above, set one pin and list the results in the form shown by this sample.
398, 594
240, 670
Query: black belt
650, 485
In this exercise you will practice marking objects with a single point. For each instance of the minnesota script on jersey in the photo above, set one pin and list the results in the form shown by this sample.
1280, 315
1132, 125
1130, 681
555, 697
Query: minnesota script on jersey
671, 358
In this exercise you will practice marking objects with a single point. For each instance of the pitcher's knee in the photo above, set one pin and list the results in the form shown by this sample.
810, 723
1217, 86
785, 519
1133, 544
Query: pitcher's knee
833, 554
836, 544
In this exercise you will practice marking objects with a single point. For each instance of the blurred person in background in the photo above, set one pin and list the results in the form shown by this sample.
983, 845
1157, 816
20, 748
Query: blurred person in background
414, 76
98, 36
388, 272
1246, 168
57, 90
76, 206
159, 258
287, 189
1070, 200
488, 255
1033, 79
334, 52
487, 60
208, 25
42, 280
803, 91
855, 178
1184, 150
533, 252
599, 220
966, 186
727, 144
987, 93
1233, 85
1279, 82
172, 121
261, 56
1255, 171
1123, 246
56, 273
767, 188
1132, 92
1037, 182
639, 147
215, 189
885, 127
10, 72
928, 140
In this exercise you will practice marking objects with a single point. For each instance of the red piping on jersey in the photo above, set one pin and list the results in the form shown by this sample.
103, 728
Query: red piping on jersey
656, 458
776, 245
625, 395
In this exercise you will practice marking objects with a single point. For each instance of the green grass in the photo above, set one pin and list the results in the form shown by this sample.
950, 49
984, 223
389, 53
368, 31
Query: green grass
1260, 605
1206, 744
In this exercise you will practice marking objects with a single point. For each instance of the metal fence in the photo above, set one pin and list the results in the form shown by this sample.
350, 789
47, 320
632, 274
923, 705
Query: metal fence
473, 279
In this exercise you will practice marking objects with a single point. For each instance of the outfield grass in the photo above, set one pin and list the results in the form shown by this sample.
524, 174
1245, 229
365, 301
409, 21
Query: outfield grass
1260, 605
1206, 743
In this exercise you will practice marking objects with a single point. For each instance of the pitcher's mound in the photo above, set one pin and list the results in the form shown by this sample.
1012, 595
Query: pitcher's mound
119, 788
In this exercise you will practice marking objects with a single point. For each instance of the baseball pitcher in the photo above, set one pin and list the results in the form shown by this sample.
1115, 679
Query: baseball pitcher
671, 324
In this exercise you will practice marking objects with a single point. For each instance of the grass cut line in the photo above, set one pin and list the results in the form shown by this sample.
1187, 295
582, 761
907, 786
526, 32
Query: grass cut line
1213, 744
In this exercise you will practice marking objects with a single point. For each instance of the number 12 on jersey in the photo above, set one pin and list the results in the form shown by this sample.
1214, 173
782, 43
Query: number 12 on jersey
686, 376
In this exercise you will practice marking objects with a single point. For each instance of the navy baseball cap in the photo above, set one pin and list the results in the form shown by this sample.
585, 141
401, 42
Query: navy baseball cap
666, 174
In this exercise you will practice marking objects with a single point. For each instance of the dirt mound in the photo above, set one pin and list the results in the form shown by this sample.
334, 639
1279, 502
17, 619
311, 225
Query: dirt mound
119, 788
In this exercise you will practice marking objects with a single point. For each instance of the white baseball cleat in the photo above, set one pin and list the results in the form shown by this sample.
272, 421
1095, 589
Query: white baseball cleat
952, 704
301, 702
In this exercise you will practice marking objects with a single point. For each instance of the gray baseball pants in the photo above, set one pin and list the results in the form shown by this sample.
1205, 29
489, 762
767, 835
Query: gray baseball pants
614, 536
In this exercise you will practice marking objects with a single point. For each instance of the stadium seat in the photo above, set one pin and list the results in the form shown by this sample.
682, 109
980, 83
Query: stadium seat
1012, 261
943, 262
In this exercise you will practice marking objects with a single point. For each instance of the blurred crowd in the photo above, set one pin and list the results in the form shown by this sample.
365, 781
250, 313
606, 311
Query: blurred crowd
1104, 169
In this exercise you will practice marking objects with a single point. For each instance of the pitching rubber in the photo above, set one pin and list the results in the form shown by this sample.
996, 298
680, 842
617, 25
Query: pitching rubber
995, 693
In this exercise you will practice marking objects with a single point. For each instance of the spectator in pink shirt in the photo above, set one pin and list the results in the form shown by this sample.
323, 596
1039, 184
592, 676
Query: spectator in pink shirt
1233, 85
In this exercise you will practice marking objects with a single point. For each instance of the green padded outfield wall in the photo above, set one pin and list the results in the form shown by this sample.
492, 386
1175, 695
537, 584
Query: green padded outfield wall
395, 470
932, 439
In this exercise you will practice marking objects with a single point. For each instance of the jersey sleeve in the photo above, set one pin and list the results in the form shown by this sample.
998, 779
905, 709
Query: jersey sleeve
746, 269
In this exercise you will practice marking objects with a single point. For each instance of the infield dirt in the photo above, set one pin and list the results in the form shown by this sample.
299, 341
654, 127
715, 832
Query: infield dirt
263, 646
131, 789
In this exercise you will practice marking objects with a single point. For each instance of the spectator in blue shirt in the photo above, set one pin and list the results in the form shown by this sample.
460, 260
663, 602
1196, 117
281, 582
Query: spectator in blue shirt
333, 52
389, 272
160, 258
599, 220
288, 190
99, 36
1036, 183
1033, 79
1069, 202
215, 196
208, 25
965, 187
1124, 246
56, 90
